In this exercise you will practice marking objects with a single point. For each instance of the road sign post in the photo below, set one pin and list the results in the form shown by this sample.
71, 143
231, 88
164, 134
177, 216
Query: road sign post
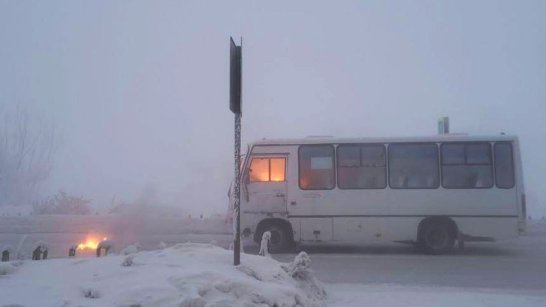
235, 85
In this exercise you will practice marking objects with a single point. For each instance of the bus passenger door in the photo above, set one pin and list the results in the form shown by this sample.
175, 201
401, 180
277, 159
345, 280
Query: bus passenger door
311, 198
265, 184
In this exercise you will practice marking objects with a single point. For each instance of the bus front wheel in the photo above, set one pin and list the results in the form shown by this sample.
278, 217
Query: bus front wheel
436, 238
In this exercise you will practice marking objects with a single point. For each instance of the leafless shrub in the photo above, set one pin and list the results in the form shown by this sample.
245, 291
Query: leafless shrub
62, 203
27, 147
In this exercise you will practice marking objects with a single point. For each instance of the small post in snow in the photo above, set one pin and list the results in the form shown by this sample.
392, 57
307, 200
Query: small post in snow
37, 253
264, 245
235, 85
5, 255
106, 245
72, 250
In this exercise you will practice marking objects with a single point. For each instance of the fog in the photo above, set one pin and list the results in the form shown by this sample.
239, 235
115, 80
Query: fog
138, 90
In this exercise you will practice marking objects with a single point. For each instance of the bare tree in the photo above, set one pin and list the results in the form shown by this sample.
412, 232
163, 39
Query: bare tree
27, 147
62, 203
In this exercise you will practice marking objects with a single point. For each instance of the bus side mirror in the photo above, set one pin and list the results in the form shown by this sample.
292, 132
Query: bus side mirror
246, 181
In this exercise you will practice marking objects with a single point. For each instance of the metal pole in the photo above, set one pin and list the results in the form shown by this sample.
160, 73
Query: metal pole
237, 192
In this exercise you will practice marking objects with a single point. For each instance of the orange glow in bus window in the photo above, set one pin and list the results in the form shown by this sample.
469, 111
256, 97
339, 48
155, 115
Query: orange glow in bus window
277, 169
259, 170
267, 169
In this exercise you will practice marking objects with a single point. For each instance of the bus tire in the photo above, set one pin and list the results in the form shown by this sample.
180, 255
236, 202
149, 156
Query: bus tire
280, 237
436, 237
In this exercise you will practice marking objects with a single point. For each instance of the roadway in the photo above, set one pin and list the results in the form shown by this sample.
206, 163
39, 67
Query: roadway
511, 266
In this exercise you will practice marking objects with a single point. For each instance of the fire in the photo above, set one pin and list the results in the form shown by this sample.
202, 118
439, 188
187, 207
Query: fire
91, 243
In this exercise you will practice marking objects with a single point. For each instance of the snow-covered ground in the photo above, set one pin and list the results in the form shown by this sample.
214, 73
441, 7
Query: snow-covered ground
511, 273
187, 275
203, 275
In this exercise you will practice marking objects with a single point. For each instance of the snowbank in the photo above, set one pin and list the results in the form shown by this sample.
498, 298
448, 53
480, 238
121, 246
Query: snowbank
131, 249
7, 268
187, 274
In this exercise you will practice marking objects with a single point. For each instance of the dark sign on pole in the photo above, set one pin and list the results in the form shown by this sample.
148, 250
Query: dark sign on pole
235, 76
235, 106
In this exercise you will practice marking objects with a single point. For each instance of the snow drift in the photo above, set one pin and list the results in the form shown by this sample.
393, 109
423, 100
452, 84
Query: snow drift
187, 274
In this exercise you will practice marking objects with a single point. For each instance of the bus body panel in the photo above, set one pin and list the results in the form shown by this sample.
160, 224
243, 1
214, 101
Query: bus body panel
520, 202
316, 229
375, 229
392, 202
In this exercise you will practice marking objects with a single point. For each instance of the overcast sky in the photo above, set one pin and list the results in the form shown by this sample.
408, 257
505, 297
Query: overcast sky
139, 89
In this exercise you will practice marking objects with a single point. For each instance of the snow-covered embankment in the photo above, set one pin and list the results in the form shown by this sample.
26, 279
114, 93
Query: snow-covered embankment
187, 274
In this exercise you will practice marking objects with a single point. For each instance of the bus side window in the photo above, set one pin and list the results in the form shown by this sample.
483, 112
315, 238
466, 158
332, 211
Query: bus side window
504, 165
361, 166
277, 169
316, 167
413, 166
467, 165
267, 169
259, 170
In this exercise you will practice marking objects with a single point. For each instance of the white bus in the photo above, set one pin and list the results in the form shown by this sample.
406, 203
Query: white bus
431, 191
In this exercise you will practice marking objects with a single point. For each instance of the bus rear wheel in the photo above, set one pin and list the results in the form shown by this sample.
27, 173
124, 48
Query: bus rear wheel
436, 238
280, 237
